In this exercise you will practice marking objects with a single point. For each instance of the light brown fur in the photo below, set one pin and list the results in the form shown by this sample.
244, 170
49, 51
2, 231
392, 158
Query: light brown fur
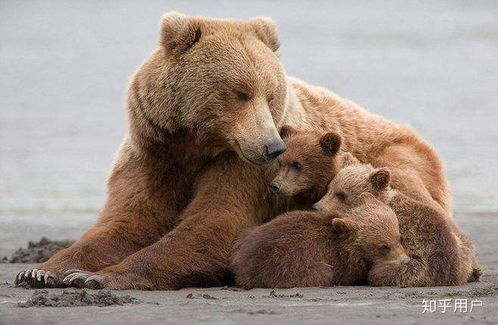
439, 255
202, 110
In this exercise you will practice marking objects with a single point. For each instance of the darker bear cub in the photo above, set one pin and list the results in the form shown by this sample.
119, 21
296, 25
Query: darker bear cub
309, 249
307, 166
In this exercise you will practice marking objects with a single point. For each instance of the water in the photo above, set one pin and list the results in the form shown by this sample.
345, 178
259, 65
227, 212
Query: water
64, 69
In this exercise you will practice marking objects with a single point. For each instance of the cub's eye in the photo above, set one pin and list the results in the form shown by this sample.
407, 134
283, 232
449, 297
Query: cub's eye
242, 96
341, 195
297, 165
384, 249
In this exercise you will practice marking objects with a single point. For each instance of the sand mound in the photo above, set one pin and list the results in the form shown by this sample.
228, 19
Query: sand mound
76, 298
37, 252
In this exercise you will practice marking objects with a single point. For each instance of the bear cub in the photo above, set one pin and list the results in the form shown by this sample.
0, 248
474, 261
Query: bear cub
310, 249
440, 256
307, 166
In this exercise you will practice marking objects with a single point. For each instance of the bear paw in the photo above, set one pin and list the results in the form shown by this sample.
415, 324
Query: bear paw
36, 278
84, 279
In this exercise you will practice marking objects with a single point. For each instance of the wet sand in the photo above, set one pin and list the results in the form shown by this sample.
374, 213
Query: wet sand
346, 305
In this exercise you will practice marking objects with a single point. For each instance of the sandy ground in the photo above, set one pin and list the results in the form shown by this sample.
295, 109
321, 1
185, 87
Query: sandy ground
346, 305
64, 67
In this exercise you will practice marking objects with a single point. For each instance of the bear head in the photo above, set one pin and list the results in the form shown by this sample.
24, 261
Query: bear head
374, 229
353, 179
219, 81
308, 164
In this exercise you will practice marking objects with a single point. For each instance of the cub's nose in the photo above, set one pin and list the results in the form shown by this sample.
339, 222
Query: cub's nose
316, 207
275, 187
274, 149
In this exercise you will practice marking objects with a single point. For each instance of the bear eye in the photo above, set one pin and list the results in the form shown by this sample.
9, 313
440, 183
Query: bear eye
384, 249
297, 165
242, 96
341, 195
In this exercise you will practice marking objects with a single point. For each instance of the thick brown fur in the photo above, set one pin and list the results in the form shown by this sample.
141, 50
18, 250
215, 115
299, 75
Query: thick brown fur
307, 166
194, 168
309, 249
439, 255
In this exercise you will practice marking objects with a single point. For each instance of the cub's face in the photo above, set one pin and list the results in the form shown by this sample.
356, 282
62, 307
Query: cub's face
308, 164
225, 83
380, 238
376, 230
351, 181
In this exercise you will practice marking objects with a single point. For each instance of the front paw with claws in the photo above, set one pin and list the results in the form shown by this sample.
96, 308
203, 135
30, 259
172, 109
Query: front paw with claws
36, 278
84, 279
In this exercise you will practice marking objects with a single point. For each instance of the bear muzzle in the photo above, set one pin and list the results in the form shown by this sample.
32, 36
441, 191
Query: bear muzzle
274, 149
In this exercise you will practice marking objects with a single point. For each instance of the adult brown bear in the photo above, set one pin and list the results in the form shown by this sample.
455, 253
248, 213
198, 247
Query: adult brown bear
204, 112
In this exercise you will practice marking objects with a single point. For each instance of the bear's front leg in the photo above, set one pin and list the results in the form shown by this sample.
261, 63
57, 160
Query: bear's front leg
100, 247
141, 207
197, 252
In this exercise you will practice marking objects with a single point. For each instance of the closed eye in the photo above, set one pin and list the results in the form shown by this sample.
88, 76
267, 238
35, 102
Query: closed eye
384, 249
242, 96
341, 195
297, 165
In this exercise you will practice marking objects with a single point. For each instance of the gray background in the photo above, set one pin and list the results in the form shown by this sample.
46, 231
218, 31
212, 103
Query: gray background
64, 67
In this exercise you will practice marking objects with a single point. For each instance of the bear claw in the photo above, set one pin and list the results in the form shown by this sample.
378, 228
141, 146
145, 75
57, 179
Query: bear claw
35, 278
96, 282
75, 278
82, 279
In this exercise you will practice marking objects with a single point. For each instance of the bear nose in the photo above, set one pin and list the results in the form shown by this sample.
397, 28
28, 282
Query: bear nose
316, 207
275, 186
274, 149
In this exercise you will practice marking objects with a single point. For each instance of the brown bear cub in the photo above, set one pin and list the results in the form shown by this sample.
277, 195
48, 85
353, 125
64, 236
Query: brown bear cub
306, 248
440, 255
307, 166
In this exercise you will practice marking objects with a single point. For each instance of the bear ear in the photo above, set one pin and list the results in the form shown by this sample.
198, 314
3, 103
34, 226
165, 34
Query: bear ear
330, 143
342, 226
266, 30
348, 159
380, 178
179, 32
287, 131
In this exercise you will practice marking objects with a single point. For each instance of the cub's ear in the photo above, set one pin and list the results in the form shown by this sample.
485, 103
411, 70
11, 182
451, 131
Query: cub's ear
341, 226
266, 31
330, 143
179, 32
379, 178
287, 131
348, 159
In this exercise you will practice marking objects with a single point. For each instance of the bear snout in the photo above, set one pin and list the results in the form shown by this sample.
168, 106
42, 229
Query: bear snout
274, 149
